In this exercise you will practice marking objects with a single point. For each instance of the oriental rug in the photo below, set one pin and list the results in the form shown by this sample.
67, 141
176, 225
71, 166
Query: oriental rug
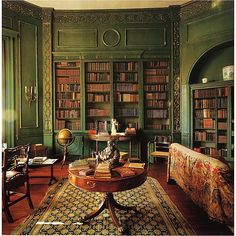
62, 208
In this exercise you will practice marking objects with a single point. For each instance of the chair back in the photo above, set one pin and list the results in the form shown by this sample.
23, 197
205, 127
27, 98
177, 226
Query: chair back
15, 159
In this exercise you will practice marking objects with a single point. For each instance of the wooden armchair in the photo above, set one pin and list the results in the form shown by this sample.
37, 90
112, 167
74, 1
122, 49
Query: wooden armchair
159, 147
15, 175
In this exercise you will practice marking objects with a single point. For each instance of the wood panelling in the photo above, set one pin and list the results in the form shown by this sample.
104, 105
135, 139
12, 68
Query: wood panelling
155, 37
7, 22
28, 73
77, 38
212, 26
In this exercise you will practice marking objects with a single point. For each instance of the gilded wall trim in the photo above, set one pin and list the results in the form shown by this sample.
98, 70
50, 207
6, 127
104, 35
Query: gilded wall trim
23, 8
112, 16
176, 77
47, 72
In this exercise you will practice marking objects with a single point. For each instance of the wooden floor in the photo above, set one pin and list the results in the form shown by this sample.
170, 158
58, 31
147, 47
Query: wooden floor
195, 216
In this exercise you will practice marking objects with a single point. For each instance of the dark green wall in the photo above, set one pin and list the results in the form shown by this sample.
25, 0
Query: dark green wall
26, 22
204, 28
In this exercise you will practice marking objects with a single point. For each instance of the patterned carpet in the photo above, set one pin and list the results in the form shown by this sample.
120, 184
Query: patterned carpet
64, 205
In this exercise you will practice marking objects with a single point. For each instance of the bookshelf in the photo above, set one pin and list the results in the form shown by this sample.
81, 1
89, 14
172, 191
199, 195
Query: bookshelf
98, 93
67, 104
212, 116
156, 95
126, 93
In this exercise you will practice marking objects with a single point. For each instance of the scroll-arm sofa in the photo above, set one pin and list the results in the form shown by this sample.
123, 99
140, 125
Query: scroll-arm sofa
208, 181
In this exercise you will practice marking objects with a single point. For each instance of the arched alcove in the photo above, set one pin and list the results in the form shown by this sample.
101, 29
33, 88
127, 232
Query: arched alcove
210, 64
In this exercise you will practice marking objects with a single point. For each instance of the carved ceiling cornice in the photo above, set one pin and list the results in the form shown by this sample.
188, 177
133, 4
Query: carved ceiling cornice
23, 8
195, 8
119, 16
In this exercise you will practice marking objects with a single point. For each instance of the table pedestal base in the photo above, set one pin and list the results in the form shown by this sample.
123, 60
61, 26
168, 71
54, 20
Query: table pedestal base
110, 204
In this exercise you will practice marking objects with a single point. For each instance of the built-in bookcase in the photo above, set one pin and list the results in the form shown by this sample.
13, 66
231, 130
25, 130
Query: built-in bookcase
156, 95
67, 103
212, 126
97, 93
126, 92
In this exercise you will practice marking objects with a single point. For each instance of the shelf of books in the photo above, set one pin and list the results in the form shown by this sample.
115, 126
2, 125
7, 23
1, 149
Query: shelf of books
210, 121
67, 104
97, 92
126, 93
156, 95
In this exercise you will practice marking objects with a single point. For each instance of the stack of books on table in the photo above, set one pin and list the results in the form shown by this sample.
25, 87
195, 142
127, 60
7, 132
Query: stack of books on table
82, 167
39, 160
134, 165
103, 171
124, 171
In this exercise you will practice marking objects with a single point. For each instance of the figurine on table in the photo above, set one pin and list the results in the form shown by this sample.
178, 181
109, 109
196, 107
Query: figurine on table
110, 154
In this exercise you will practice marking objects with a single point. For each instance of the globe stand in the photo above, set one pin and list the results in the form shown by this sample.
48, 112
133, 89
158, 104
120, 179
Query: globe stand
65, 142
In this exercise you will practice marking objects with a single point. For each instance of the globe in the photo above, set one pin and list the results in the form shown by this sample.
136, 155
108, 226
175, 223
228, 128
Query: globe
64, 137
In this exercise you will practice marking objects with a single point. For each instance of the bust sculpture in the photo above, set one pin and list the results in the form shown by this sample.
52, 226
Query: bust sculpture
110, 154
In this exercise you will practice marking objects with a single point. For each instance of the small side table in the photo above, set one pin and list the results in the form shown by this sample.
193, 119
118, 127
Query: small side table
48, 162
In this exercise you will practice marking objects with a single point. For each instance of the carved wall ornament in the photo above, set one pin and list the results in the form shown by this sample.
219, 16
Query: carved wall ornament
176, 80
111, 37
47, 74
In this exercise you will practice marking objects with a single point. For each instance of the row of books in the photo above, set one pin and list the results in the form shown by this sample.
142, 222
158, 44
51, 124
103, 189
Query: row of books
213, 92
67, 104
205, 113
98, 77
155, 64
68, 95
151, 96
126, 97
157, 87
93, 97
204, 136
67, 80
67, 72
126, 66
72, 125
157, 126
98, 66
205, 123
222, 102
222, 139
156, 71
210, 151
98, 87
205, 103
159, 114
156, 103
68, 64
126, 77
222, 125
68, 113
222, 113
156, 79
126, 87
68, 87
162, 139
129, 111
98, 112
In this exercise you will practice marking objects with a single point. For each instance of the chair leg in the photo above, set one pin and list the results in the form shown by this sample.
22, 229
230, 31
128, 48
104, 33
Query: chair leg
28, 195
6, 208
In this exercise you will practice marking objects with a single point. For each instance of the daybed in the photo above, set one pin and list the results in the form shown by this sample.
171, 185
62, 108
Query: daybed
208, 181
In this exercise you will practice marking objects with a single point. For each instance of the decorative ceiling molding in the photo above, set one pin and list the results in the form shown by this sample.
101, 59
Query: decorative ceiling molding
118, 16
23, 8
